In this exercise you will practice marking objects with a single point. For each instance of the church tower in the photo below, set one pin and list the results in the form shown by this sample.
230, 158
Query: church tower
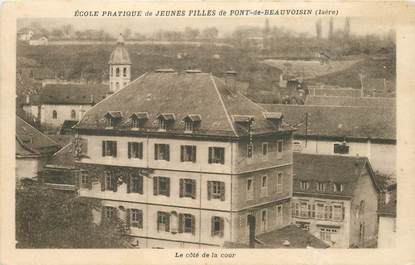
120, 66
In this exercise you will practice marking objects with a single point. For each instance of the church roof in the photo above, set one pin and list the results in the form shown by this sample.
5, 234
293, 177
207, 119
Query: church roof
120, 54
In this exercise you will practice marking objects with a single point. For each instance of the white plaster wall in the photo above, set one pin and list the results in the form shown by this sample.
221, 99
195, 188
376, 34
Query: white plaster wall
64, 113
27, 167
387, 233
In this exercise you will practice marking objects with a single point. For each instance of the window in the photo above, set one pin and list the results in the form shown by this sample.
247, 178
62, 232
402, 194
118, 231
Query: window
250, 189
188, 126
187, 223
337, 212
188, 188
338, 187
303, 225
265, 150
326, 233
162, 152
297, 146
117, 85
124, 71
279, 182
216, 190
161, 186
304, 209
162, 125
135, 123
188, 153
280, 144
296, 211
328, 212
54, 115
109, 148
135, 184
264, 186
321, 186
249, 150
341, 148
304, 185
110, 183
109, 213
311, 210
320, 211
163, 221
217, 226
73, 114
216, 155
264, 220
117, 72
135, 150
85, 179
136, 218
108, 121
279, 215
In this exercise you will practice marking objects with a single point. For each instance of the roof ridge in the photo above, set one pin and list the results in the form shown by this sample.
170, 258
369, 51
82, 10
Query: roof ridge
117, 92
62, 149
223, 104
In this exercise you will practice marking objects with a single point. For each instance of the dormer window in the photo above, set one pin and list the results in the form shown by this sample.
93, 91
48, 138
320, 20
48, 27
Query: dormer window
165, 120
243, 122
112, 118
191, 122
138, 119
338, 187
274, 117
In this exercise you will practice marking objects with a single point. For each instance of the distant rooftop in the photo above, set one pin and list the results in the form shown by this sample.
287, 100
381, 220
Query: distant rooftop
376, 102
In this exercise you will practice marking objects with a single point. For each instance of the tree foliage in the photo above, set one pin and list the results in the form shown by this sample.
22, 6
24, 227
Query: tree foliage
54, 219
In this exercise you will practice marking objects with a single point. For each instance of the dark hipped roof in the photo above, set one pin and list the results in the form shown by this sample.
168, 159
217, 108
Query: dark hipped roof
339, 122
63, 158
181, 94
120, 54
296, 237
29, 140
375, 102
71, 94
329, 169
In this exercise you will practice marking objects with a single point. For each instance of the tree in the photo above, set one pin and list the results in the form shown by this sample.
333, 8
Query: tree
210, 33
191, 33
127, 33
53, 219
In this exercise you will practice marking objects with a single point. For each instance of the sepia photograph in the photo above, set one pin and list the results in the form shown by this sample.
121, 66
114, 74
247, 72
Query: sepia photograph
217, 133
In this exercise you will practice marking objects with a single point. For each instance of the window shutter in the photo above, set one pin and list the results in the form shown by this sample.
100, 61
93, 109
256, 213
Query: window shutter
222, 157
155, 186
103, 215
343, 213
209, 189
158, 220
103, 148
193, 225
114, 146
194, 189
128, 218
309, 210
114, 183
181, 216
168, 152
212, 226
156, 149
78, 178
103, 182
140, 219
182, 153
222, 226
140, 149
89, 181
168, 187
222, 191
129, 180
313, 210
167, 222
129, 150
140, 184
194, 154
181, 188
210, 155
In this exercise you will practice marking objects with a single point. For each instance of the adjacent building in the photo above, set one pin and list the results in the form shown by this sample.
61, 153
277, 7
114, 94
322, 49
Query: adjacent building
33, 149
335, 198
184, 159
344, 130
387, 219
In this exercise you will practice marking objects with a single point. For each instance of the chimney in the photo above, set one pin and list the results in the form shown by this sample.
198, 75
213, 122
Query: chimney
27, 99
230, 79
252, 227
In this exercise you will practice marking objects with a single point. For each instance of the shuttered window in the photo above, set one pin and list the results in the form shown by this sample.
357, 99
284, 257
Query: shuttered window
135, 184
163, 221
109, 182
279, 182
161, 186
188, 188
188, 153
109, 148
136, 218
217, 226
216, 190
109, 213
135, 150
216, 155
162, 152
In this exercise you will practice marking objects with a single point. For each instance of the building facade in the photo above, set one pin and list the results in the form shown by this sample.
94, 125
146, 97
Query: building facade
184, 174
387, 220
336, 199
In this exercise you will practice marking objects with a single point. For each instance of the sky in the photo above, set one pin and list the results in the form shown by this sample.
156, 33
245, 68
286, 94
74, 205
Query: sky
225, 25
